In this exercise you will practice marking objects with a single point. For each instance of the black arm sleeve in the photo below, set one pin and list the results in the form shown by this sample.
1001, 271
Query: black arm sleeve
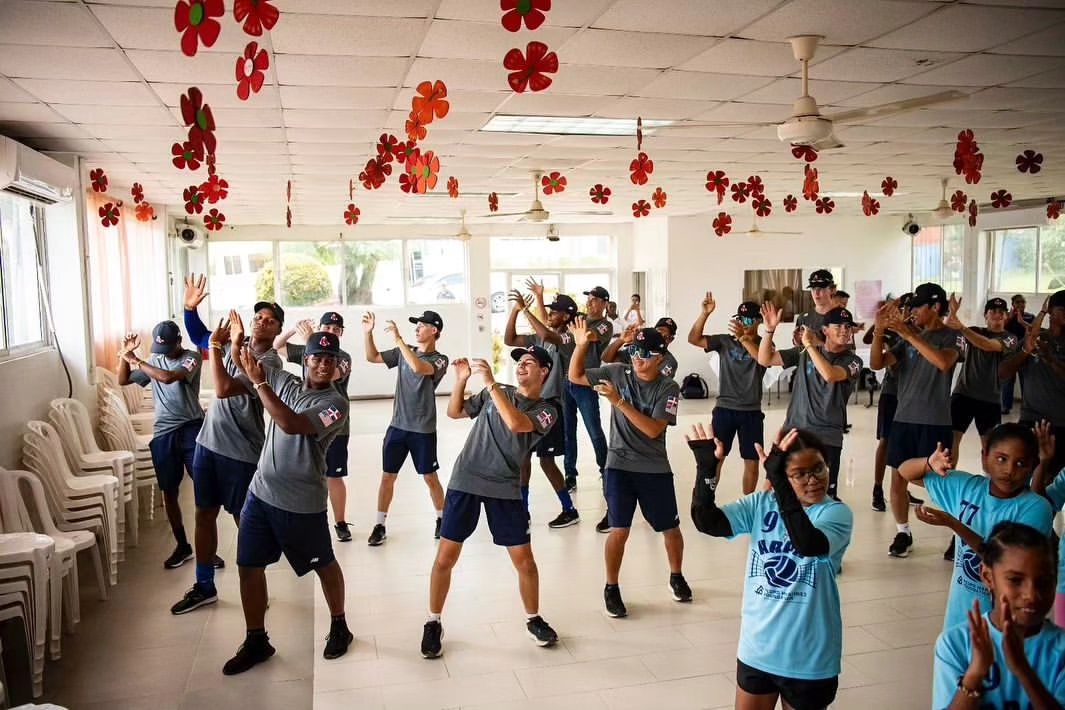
708, 518
807, 539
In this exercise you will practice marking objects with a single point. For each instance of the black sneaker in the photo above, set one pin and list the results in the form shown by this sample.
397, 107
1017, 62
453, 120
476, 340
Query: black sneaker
195, 598
679, 588
900, 546
181, 555
915, 501
343, 532
948, 554
337, 642
436, 533
250, 654
431, 635
603, 525
218, 563
377, 536
571, 484
614, 606
565, 519
878, 499
541, 632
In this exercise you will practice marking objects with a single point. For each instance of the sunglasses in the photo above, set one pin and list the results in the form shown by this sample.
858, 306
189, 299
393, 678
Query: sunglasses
819, 471
746, 321
637, 352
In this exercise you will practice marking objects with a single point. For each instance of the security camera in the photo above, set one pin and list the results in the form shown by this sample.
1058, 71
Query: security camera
911, 227
188, 235
552, 233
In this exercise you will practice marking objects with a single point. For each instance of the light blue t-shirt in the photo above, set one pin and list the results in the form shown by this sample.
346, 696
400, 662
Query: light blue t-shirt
1002, 691
1056, 493
968, 498
791, 623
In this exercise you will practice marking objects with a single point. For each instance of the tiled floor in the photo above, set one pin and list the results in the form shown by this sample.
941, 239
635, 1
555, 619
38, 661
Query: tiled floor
131, 653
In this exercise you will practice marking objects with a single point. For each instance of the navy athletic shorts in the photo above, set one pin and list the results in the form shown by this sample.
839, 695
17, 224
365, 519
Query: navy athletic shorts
219, 481
912, 441
266, 532
885, 415
653, 491
553, 443
173, 453
508, 520
747, 425
336, 457
400, 442
964, 410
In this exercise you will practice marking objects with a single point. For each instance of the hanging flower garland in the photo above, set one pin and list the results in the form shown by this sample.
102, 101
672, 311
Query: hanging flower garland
493, 202
825, 205
407, 182
811, 186
1000, 199
974, 210
531, 12
406, 152
600, 195
99, 180
375, 173
193, 199
430, 102
958, 201
109, 214
968, 160
888, 186
198, 117
425, 171
144, 212
251, 70
351, 214
288, 217
1030, 162
804, 152
1054, 209
755, 186
214, 189
659, 198
214, 220
529, 70
722, 224
870, 206
256, 15
717, 181
791, 203
137, 191
740, 192
553, 183
453, 187
640, 168
415, 128
641, 208
186, 155
761, 205
387, 145
194, 19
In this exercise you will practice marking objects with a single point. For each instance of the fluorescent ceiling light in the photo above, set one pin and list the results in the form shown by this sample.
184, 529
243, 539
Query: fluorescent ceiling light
569, 126
877, 195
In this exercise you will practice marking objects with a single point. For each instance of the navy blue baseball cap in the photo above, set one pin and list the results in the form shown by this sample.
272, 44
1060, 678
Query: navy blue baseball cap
928, 294
564, 303
822, 278
429, 318
648, 340
278, 311
749, 309
667, 323
839, 316
542, 356
996, 304
323, 343
165, 336
598, 292
332, 318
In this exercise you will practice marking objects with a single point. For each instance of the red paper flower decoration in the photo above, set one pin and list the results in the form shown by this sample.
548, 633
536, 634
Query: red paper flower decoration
251, 70
212, 168
888, 186
1053, 210
99, 180
974, 210
186, 155
144, 212
811, 186
869, 206
351, 214
1030, 162
791, 203
406, 150
641, 208
197, 115
288, 191
256, 15
740, 192
430, 102
528, 70
375, 173
1001, 199
640, 168
415, 128
722, 224
755, 186
288, 217
214, 189
600, 195
138, 193
968, 160
716, 181
531, 12
193, 199
825, 205
425, 172
453, 187
387, 145
761, 205
958, 201
213, 220
804, 152
553, 183
659, 198
195, 20
493, 202
407, 182
109, 214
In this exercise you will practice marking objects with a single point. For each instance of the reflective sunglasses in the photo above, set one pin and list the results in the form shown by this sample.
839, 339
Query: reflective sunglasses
637, 352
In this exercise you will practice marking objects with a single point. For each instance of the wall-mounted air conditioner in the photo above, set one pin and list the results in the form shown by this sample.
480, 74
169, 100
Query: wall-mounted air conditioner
27, 173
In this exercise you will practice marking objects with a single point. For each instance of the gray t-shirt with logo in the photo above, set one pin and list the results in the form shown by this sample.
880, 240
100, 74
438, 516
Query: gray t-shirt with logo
669, 362
818, 405
414, 405
555, 381
630, 449
1042, 388
740, 375
296, 353
176, 403
291, 471
890, 383
604, 328
234, 426
924, 390
979, 371
489, 462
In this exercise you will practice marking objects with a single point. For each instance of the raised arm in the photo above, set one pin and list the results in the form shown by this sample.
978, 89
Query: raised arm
828, 371
649, 426
419, 366
514, 419
708, 452
611, 352
130, 342
372, 354
978, 341
888, 317
519, 303
738, 332
1042, 476
284, 416
580, 350
767, 352
455, 408
536, 288
695, 335
941, 518
914, 470
195, 292
541, 330
225, 385
808, 540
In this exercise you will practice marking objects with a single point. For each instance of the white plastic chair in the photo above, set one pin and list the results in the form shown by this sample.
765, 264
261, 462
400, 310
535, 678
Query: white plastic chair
143, 421
119, 435
71, 419
25, 563
77, 502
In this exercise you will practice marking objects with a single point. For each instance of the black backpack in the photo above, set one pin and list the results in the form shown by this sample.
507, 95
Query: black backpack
694, 387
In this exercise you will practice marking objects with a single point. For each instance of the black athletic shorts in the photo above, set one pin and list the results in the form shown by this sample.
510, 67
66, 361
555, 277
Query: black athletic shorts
798, 693
267, 531
654, 492
336, 457
748, 426
965, 409
885, 415
912, 441
553, 443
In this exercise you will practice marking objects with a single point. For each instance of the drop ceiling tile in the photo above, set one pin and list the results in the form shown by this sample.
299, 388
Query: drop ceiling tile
331, 135
368, 8
335, 97
173, 66
547, 104
65, 91
49, 23
165, 135
1017, 98
988, 70
889, 93
694, 18
468, 74
562, 14
81, 146
745, 56
665, 109
342, 34
321, 118
966, 119
1049, 42
599, 80
826, 92
33, 129
218, 96
633, 49
324, 70
22, 111
879, 65
243, 117
966, 28
845, 22
453, 39
64, 63
1054, 79
699, 85
128, 115
153, 28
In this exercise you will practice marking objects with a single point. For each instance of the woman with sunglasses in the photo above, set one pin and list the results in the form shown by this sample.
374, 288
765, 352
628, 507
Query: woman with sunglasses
791, 629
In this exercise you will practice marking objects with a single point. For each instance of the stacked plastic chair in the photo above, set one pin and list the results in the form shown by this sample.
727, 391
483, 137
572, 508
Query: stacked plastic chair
119, 435
71, 419
136, 400
25, 572
77, 502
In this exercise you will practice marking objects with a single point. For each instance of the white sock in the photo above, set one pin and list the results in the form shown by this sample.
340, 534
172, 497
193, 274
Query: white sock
530, 617
381, 517
439, 513
903, 528
434, 617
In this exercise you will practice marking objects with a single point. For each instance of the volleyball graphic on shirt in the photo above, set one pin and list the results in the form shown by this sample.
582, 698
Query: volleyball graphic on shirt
969, 562
783, 570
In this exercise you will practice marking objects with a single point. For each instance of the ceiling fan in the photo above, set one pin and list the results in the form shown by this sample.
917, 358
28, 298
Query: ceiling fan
536, 211
807, 126
756, 231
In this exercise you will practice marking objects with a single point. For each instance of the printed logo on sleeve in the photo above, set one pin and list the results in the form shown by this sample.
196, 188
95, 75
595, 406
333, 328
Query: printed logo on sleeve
602, 328
1010, 341
546, 419
328, 416
667, 370
189, 363
672, 403
438, 363
854, 368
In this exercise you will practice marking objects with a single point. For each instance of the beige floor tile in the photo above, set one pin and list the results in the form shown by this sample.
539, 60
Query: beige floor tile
701, 692
911, 632
626, 643
686, 663
582, 677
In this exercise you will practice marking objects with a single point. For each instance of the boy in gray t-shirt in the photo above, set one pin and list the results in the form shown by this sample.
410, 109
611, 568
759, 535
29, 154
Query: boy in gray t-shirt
413, 427
507, 423
643, 404
174, 375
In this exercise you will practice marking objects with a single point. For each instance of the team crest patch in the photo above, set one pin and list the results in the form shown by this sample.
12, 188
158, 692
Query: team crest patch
1010, 341
853, 368
602, 328
189, 363
545, 418
672, 403
438, 364
328, 416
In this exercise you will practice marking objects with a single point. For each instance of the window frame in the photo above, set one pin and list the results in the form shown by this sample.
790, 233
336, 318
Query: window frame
914, 281
8, 352
990, 235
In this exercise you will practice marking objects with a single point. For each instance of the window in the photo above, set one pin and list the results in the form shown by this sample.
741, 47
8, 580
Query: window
570, 252
373, 273
234, 274
21, 313
938, 256
233, 265
1028, 259
436, 271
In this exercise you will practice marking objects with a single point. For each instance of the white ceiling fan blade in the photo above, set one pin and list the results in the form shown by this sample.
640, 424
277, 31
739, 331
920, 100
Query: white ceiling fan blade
506, 214
830, 143
890, 109
681, 125
585, 212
